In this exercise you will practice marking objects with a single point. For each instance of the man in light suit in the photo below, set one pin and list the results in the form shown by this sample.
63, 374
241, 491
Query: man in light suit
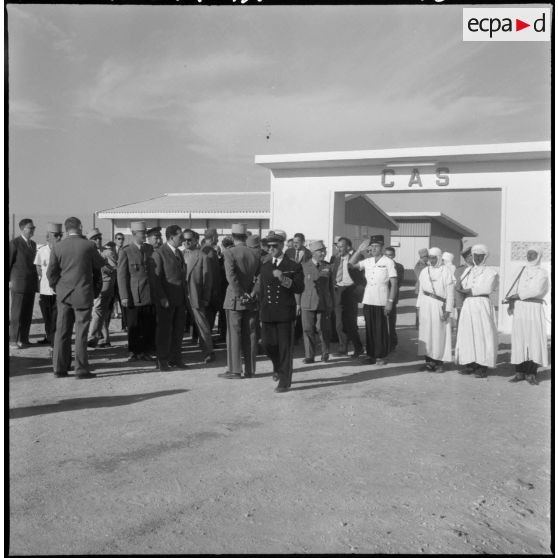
315, 303
135, 284
298, 253
169, 285
24, 283
199, 280
71, 270
241, 268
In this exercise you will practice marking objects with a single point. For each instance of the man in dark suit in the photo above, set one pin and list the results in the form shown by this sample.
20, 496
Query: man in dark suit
316, 302
280, 280
348, 291
119, 240
170, 299
24, 283
71, 270
241, 268
135, 284
199, 280
216, 271
392, 317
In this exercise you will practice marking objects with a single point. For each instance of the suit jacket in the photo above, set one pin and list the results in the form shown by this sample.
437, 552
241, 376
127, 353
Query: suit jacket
400, 276
242, 266
23, 273
355, 274
277, 298
291, 254
169, 277
199, 278
108, 271
318, 287
135, 274
73, 263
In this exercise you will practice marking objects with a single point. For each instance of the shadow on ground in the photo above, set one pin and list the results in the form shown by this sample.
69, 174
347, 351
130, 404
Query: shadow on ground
79, 403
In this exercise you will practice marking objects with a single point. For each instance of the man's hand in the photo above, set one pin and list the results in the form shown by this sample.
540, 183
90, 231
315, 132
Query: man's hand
124, 302
363, 246
445, 316
387, 308
165, 302
510, 310
278, 274
298, 310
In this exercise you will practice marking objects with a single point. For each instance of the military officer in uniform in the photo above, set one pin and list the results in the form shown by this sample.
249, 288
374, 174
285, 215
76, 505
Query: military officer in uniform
135, 283
316, 302
280, 280
241, 268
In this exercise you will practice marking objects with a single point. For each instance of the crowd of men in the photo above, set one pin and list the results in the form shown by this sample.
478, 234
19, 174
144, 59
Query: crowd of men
259, 291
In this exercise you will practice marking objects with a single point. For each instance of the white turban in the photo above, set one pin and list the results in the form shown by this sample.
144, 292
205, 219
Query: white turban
438, 253
539, 256
480, 249
447, 257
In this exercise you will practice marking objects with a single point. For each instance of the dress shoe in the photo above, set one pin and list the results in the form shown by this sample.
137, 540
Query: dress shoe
280, 389
357, 354
325, 357
43, 341
147, 357
466, 371
426, 367
209, 358
368, 360
340, 354
61, 375
163, 365
178, 364
307, 360
381, 361
132, 358
517, 378
92, 344
102, 345
230, 376
85, 376
23, 344
481, 374
532, 379
439, 368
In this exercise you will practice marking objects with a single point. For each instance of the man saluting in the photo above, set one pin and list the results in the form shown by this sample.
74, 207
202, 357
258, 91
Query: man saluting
279, 280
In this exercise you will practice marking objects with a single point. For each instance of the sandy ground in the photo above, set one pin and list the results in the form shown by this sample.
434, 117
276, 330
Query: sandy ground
354, 458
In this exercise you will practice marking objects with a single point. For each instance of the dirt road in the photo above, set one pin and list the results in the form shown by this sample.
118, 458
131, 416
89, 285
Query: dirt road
354, 458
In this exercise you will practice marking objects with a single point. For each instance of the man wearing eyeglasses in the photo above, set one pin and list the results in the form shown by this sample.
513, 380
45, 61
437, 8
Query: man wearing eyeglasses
23, 283
119, 245
47, 296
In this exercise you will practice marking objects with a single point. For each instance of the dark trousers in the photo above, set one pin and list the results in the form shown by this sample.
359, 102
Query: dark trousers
392, 321
222, 325
241, 339
377, 335
141, 329
62, 356
315, 324
201, 322
170, 331
20, 316
526, 368
47, 303
278, 343
346, 314
122, 309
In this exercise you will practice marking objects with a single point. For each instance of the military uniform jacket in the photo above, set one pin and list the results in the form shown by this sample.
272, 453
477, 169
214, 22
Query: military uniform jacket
277, 298
23, 273
135, 274
318, 287
71, 268
242, 266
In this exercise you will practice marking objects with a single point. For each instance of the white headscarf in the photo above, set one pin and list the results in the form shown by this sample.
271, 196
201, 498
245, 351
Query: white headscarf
536, 262
438, 253
447, 258
480, 249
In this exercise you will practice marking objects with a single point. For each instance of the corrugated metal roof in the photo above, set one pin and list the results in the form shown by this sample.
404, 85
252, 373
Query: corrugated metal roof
200, 203
434, 215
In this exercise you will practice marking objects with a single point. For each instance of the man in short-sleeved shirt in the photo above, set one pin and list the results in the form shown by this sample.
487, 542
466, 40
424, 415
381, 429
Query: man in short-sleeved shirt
379, 294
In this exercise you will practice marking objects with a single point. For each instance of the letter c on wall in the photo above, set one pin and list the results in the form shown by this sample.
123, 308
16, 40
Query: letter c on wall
385, 172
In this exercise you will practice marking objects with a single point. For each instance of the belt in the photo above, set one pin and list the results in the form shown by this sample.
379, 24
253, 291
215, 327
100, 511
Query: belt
432, 295
477, 296
537, 300
344, 286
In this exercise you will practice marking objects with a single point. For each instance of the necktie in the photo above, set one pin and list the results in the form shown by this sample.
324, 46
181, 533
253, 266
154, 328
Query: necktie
298, 256
274, 263
178, 256
339, 277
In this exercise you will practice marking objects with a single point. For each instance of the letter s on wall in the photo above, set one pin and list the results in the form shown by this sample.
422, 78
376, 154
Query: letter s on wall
442, 174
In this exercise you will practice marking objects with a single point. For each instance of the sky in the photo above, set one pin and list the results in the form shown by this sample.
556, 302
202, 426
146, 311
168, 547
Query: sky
115, 104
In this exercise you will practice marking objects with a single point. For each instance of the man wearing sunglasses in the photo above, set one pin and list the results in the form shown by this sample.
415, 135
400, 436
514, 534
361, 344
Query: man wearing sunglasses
47, 296
23, 283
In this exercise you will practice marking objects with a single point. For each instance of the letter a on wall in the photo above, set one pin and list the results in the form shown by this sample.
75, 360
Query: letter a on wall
415, 178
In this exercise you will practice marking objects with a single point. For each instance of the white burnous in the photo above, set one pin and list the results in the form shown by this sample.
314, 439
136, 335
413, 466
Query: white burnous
435, 303
477, 335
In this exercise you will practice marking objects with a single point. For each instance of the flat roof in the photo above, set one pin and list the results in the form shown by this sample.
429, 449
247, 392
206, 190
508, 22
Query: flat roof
197, 205
435, 216
409, 155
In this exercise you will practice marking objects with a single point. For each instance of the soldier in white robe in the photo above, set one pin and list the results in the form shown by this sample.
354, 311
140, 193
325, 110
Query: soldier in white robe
435, 303
477, 335
528, 339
